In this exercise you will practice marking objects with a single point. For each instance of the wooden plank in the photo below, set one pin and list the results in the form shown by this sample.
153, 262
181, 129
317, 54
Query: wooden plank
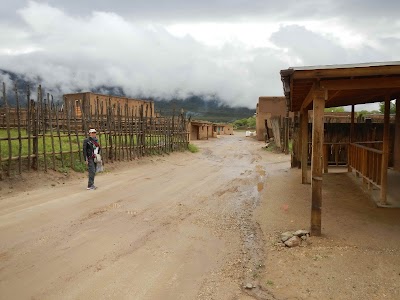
385, 150
304, 145
118, 132
104, 129
43, 109
309, 98
396, 152
53, 156
316, 161
19, 131
78, 142
28, 124
326, 157
347, 72
59, 136
68, 117
7, 110
361, 83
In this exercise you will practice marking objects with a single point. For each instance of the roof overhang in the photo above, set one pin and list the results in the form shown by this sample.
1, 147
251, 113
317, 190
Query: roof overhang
343, 84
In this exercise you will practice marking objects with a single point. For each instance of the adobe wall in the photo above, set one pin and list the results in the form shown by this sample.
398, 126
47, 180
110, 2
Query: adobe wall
91, 99
200, 131
267, 108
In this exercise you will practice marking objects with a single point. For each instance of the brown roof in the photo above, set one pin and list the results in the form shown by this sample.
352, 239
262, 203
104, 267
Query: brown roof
344, 84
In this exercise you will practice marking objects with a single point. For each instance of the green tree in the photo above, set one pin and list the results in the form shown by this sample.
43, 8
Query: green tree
251, 122
335, 109
392, 107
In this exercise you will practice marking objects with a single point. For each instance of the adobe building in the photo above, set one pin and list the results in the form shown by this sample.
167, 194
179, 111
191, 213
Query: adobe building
222, 129
200, 130
267, 109
90, 100
203, 130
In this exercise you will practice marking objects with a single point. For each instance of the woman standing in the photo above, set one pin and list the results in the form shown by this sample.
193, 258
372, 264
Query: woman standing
91, 150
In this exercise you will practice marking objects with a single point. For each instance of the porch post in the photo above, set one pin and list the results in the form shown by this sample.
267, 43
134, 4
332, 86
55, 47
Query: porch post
316, 160
385, 150
396, 154
304, 144
351, 138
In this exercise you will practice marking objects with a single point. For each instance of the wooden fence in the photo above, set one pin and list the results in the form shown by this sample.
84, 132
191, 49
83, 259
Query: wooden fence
50, 136
366, 159
337, 140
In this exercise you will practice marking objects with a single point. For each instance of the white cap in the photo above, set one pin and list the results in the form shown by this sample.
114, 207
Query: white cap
92, 130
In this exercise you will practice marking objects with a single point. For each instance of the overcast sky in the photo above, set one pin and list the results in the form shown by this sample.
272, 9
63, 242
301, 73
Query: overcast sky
230, 48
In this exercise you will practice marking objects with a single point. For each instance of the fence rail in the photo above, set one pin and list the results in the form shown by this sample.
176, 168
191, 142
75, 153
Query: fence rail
49, 135
367, 161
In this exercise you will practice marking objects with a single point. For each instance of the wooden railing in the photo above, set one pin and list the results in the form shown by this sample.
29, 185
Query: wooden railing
366, 159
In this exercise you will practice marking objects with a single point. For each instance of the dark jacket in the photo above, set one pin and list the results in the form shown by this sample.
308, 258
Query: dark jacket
88, 148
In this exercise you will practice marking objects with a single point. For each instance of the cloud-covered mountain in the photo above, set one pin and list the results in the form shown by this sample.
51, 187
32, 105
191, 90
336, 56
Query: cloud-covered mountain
195, 106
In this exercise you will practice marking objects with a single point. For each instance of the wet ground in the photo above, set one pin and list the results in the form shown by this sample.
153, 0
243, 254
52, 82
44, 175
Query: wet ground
174, 227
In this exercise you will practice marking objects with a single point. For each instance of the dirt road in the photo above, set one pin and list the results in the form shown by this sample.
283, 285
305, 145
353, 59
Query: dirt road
174, 227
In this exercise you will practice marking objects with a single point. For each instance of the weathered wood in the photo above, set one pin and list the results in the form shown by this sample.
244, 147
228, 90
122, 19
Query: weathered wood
396, 150
42, 106
28, 124
304, 145
109, 124
19, 131
309, 98
114, 133
385, 150
68, 116
53, 156
325, 157
347, 72
104, 129
118, 132
78, 142
8, 128
59, 137
316, 161
360, 83
351, 136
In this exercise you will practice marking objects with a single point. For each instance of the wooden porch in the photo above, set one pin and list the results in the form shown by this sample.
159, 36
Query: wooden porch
314, 88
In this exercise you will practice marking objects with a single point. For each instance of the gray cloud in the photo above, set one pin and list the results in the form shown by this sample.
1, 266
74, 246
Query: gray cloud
75, 46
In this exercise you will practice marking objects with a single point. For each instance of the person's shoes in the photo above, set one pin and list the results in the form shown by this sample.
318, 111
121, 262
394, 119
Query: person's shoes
92, 187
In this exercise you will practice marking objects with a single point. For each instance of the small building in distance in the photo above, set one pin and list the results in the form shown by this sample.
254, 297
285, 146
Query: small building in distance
200, 130
89, 101
222, 129
203, 130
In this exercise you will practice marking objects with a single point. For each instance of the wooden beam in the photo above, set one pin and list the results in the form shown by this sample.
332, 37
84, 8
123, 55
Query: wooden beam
309, 98
316, 161
304, 145
351, 138
396, 154
361, 84
385, 150
347, 72
333, 96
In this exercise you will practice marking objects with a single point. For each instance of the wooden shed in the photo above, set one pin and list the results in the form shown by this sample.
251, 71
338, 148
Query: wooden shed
314, 88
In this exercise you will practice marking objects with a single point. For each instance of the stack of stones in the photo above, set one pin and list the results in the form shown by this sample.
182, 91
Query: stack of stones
293, 239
